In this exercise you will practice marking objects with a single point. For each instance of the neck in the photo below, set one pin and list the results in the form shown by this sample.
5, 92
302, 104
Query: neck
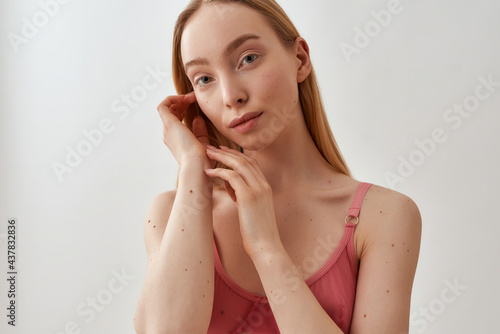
292, 160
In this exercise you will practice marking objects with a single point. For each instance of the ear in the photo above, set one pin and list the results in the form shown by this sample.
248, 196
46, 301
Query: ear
301, 50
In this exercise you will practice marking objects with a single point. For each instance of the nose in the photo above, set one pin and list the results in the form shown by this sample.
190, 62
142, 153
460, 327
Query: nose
234, 94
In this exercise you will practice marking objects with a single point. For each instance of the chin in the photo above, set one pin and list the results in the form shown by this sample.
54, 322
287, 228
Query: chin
256, 142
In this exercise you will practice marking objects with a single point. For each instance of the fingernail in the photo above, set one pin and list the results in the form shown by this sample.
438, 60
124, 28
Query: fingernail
211, 147
224, 147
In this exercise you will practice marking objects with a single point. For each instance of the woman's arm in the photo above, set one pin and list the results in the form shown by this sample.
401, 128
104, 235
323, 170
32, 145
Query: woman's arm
294, 306
177, 294
387, 264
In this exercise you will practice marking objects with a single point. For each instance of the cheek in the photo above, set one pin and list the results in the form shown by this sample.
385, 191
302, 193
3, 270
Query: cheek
207, 107
277, 85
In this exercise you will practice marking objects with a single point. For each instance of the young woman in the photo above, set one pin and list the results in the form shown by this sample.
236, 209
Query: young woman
267, 232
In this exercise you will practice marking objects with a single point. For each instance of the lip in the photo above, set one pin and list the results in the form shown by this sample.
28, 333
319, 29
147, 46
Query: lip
243, 118
246, 122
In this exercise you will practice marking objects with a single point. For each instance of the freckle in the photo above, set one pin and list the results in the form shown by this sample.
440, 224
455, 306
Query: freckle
329, 181
380, 211
270, 261
154, 226
271, 291
364, 316
201, 262
407, 250
208, 281
386, 262
190, 191
261, 248
203, 296
387, 291
182, 230
392, 245
185, 269
286, 220
149, 221
310, 220
288, 204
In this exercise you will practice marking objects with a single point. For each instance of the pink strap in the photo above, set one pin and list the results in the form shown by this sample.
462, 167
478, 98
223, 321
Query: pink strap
358, 199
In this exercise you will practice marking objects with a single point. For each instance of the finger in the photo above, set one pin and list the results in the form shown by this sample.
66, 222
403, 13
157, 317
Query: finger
251, 161
200, 130
239, 165
176, 104
168, 107
190, 97
242, 155
172, 100
232, 181
230, 190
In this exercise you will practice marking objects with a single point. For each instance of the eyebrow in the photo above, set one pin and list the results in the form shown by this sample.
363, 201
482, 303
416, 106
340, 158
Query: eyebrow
230, 48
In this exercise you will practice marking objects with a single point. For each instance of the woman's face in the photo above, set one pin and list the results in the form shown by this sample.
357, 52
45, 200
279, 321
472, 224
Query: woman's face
240, 70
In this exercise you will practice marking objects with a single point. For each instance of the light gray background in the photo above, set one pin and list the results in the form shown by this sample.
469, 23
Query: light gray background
77, 233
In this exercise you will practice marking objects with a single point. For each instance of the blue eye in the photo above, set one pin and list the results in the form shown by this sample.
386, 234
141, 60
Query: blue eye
204, 80
249, 59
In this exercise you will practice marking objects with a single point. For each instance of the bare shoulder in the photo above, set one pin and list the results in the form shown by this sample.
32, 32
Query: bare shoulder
388, 216
389, 244
156, 220
392, 200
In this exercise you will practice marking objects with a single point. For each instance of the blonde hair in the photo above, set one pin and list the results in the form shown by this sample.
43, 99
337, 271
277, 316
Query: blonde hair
309, 95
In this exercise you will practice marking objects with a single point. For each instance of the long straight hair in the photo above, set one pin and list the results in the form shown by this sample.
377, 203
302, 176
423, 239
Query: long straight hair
309, 95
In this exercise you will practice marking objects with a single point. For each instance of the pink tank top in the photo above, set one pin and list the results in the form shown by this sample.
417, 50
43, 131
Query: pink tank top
238, 311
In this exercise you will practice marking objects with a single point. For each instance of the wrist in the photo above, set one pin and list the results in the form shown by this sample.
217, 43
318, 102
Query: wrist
193, 162
265, 253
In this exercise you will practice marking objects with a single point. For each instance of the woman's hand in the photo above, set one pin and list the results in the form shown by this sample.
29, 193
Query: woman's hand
251, 192
183, 143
